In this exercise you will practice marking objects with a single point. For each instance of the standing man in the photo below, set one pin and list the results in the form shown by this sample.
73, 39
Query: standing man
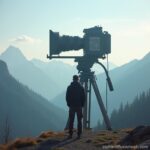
75, 97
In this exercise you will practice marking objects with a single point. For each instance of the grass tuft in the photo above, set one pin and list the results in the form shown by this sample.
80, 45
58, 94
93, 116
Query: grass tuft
3, 147
50, 134
22, 142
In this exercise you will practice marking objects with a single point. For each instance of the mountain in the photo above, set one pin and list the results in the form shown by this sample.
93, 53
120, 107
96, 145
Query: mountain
46, 78
58, 71
26, 112
27, 73
128, 80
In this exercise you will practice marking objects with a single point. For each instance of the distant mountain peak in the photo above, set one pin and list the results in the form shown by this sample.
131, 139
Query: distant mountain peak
13, 51
13, 54
12, 47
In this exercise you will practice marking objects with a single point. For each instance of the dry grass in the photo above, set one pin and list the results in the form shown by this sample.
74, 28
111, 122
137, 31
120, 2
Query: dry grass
110, 137
22, 142
27, 142
50, 134
47, 134
3, 147
126, 130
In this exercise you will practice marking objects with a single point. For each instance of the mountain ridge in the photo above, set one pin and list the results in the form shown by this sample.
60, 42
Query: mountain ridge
28, 112
27, 73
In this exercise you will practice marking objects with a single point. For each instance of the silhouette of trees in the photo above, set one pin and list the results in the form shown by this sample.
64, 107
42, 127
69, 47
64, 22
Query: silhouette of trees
131, 115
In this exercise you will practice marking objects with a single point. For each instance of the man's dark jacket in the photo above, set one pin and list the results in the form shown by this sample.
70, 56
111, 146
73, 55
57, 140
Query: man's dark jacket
75, 95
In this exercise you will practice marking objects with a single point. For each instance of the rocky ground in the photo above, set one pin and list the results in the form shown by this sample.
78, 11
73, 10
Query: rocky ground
138, 138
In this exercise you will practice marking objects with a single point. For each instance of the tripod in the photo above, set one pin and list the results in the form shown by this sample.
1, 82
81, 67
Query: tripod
87, 79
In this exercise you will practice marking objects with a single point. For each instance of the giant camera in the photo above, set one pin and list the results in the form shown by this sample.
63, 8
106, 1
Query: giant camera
95, 42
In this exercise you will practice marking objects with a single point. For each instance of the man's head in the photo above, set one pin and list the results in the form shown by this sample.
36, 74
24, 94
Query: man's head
75, 78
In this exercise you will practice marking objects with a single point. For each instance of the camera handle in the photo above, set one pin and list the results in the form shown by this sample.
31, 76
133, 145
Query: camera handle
107, 75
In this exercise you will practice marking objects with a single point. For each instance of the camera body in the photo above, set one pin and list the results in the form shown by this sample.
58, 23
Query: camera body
95, 42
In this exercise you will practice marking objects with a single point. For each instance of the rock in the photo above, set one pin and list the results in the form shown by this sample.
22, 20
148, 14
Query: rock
136, 136
145, 144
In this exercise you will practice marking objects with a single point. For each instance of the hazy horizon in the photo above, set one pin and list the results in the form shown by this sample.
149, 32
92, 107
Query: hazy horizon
26, 24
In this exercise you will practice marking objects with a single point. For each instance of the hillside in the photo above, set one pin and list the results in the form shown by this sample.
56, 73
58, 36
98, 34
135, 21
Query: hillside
129, 80
133, 114
26, 112
27, 73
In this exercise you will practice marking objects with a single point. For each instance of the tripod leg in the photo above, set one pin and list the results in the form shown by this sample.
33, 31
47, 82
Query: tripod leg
85, 107
89, 104
100, 102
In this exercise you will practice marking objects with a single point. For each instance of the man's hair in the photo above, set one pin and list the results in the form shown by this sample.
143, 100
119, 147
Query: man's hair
75, 78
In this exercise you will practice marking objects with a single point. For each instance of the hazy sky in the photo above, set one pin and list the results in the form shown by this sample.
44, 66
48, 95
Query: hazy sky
25, 24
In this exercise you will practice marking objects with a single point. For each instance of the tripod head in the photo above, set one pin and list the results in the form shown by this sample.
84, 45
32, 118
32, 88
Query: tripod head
84, 68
